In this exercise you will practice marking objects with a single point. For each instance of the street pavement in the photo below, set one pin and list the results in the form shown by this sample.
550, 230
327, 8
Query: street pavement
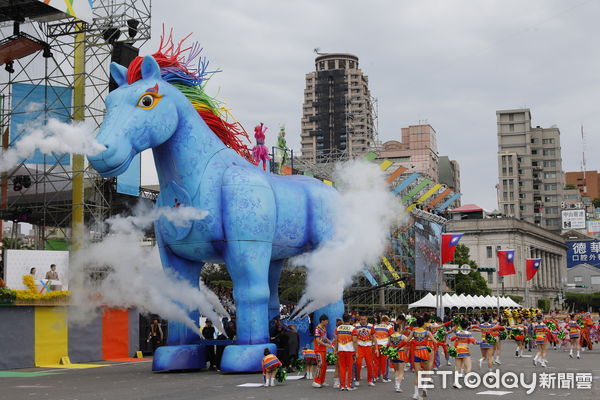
135, 380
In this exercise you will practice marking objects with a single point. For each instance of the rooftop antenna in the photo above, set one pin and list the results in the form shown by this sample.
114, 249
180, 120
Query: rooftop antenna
583, 167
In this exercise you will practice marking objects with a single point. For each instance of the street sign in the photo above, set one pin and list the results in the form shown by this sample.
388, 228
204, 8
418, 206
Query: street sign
450, 269
465, 269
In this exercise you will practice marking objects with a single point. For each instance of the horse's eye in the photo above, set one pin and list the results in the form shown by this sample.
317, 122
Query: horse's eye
146, 101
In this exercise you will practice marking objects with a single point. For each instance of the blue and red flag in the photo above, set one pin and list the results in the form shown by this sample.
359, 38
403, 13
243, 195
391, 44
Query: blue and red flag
449, 242
532, 265
506, 262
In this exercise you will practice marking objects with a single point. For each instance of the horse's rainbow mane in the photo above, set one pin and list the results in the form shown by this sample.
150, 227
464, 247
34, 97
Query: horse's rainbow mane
176, 68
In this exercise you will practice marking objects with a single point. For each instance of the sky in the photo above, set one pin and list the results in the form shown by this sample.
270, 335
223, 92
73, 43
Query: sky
451, 63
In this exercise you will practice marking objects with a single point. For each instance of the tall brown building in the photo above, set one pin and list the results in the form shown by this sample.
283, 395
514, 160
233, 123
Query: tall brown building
587, 183
417, 151
337, 114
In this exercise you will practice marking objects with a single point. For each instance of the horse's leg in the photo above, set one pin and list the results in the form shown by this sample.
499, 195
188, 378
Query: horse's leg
248, 266
180, 351
274, 276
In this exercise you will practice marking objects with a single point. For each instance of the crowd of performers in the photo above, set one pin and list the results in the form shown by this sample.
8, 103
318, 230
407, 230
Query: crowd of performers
418, 342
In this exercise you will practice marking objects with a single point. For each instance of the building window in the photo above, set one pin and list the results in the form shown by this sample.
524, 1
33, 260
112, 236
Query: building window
550, 186
489, 251
549, 175
511, 128
577, 279
534, 151
511, 117
550, 163
595, 280
490, 277
549, 152
548, 141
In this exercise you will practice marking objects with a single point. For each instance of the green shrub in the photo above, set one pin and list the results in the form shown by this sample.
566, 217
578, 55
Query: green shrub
544, 305
7, 295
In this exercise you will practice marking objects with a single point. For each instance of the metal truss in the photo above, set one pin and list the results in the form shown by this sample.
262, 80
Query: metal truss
47, 201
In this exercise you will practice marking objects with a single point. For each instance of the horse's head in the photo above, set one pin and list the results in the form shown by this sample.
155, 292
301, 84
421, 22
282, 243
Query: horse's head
139, 116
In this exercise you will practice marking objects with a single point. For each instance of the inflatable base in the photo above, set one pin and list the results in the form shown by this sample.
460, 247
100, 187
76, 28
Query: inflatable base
245, 358
173, 358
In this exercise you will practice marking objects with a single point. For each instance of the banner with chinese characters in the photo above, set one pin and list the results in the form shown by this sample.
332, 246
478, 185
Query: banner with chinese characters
587, 252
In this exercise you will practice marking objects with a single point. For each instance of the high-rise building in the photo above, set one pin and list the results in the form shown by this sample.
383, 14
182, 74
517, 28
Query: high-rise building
337, 115
449, 175
417, 151
531, 180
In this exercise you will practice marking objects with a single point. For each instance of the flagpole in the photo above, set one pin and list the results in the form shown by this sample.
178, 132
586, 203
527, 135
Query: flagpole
526, 292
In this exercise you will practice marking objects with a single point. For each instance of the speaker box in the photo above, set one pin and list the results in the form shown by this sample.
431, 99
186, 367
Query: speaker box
124, 54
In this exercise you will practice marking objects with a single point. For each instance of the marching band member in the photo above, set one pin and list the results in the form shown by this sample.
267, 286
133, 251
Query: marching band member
574, 329
382, 334
322, 343
541, 332
421, 342
398, 341
345, 345
366, 341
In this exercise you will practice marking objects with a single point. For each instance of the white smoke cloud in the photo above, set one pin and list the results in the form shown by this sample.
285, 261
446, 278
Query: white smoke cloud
363, 217
134, 273
54, 136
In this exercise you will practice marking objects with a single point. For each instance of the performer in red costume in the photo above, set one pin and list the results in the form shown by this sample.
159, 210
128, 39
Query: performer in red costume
366, 341
345, 344
321, 345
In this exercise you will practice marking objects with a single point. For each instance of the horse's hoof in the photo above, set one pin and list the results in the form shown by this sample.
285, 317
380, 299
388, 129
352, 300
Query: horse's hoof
245, 357
185, 356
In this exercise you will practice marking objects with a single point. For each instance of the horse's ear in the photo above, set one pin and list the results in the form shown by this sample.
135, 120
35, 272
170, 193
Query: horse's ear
150, 68
118, 73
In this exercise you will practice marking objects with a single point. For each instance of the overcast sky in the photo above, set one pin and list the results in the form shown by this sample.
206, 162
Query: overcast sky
452, 63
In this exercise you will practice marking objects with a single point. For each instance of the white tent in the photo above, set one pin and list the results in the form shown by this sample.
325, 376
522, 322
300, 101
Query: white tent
450, 301
427, 301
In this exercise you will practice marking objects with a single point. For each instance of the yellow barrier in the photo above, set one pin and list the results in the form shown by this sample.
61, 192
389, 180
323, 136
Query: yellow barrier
51, 335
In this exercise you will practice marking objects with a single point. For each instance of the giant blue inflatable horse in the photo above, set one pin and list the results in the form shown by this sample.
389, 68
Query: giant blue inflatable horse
255, 220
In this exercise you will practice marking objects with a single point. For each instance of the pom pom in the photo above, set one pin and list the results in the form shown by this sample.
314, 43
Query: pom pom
281, 374
490, 339
331, 358
452, 352
301, 364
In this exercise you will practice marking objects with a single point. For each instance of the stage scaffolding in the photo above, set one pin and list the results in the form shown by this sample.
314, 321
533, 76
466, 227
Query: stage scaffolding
80, 58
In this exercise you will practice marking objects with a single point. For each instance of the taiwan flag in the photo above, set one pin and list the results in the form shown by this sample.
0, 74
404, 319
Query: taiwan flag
506, 262
531, 266
449, 242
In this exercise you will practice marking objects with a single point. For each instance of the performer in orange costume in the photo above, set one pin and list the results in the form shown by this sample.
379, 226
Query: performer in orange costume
345, 344
366, 341
382, 335
398, 341
421, 344
586, 337
541, 332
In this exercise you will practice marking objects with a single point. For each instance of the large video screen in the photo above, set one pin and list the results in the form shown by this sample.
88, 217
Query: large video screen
427, 238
